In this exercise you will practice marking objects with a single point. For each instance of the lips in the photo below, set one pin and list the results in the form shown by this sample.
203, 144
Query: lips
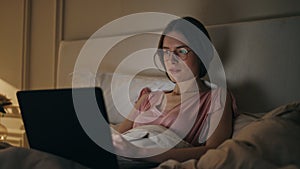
174, 71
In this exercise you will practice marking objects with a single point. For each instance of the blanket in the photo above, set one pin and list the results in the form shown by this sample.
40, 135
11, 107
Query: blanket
154, 136
22, 158
271, 141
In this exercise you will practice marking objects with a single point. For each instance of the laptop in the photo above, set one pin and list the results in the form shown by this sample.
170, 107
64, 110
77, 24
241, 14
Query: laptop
52, 125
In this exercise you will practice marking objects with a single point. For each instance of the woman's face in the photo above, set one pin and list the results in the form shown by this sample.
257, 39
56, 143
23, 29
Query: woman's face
178, 69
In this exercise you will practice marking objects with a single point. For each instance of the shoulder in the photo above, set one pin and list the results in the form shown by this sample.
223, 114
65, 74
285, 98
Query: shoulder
227, 99
148, 94
221, 97
151, 93
144, 92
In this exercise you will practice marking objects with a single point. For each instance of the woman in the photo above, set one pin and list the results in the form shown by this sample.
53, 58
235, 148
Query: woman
193, 110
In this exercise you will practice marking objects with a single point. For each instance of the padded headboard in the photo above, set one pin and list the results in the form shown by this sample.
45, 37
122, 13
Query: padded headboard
261, 60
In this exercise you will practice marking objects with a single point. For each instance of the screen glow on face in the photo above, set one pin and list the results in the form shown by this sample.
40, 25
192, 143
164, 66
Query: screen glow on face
179, 53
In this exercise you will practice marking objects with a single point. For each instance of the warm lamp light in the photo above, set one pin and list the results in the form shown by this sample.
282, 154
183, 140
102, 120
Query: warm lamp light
9, 91
3, 130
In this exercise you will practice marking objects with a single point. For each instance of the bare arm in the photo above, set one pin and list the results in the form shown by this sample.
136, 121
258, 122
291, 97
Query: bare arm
127, 123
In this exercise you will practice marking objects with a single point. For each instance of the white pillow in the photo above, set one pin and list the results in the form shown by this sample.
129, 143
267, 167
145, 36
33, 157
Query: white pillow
121, 91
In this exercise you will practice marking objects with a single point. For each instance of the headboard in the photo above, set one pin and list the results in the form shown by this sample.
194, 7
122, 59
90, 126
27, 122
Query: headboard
261, 60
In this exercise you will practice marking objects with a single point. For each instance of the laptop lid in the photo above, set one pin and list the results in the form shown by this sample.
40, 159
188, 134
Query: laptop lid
52, 125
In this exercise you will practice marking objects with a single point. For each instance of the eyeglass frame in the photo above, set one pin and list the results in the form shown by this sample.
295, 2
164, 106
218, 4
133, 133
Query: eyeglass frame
165, 52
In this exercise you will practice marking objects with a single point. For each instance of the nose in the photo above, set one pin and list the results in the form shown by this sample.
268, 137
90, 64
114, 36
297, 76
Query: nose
173, 57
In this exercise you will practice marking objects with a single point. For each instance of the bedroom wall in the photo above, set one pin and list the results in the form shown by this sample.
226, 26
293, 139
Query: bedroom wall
82, 18
30, 53
12, 18
66, 20
44, 38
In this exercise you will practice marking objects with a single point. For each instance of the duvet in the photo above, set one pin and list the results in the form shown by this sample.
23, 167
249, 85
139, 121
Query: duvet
270, 140
267, 142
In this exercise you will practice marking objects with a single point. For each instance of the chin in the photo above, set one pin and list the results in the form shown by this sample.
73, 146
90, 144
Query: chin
179, 78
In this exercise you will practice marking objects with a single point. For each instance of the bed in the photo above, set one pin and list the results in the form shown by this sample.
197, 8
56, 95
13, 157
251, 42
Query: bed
262, 140
261, 62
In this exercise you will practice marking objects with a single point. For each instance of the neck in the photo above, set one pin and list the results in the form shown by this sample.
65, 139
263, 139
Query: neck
189, 86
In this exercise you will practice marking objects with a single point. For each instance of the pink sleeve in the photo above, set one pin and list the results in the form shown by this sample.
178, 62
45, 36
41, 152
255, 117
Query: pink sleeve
219, 103
144, 105
145, 90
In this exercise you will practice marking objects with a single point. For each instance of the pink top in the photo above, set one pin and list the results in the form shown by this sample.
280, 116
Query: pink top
190, 119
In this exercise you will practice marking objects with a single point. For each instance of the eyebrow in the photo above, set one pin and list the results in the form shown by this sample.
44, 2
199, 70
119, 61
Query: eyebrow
181, 46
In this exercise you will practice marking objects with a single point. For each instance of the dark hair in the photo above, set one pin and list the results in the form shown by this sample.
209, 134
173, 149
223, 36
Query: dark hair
189, 27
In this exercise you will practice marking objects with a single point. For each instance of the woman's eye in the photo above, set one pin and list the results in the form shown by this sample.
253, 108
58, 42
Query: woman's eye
182, 51
166, 52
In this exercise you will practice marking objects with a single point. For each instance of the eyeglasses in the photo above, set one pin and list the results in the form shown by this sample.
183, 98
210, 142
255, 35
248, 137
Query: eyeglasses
178, 53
